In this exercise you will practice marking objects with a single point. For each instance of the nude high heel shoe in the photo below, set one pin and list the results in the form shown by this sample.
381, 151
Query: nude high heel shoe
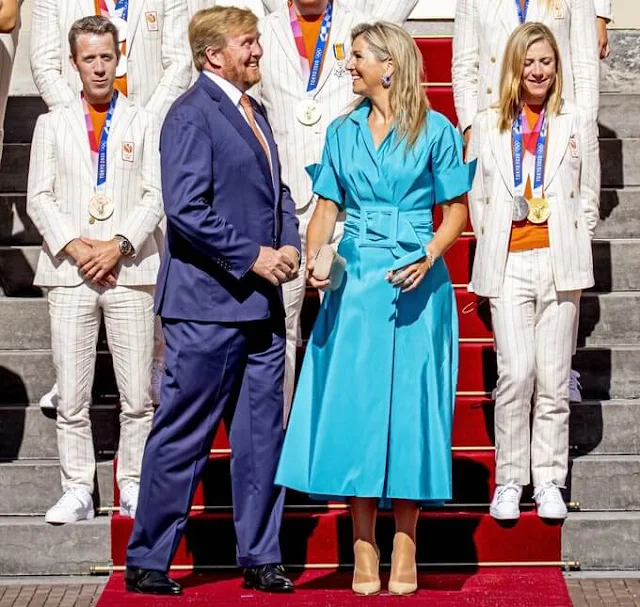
366, 575
404, 573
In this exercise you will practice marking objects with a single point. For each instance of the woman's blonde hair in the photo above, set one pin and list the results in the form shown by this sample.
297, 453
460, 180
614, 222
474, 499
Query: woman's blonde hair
211, 27
519, 42
407, 99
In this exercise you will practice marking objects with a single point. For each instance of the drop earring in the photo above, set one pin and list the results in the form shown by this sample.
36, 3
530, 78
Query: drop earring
386, 81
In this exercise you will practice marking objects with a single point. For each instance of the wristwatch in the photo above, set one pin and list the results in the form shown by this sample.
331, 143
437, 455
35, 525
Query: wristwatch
125, 246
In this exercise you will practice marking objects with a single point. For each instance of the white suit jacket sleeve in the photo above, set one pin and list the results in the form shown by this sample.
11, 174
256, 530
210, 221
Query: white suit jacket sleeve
589, 173
47, 56
464, 66
148, 209
479, 135
55, 226
176, 58
585, 58
604, 9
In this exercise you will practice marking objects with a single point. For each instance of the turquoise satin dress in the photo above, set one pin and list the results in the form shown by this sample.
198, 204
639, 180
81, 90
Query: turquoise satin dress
374, 403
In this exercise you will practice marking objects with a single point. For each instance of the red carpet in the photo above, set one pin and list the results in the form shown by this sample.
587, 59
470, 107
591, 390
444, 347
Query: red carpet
459, 534
513, 587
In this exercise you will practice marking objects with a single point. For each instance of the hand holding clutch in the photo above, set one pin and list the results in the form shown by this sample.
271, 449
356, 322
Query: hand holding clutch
328, 265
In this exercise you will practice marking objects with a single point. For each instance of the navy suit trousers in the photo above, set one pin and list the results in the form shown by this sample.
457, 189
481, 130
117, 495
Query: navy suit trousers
214, 369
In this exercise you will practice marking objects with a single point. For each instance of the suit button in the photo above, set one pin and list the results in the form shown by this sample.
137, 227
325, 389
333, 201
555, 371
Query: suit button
486, 200
482, 230
489, 91
575, 223
493, 59
573, 194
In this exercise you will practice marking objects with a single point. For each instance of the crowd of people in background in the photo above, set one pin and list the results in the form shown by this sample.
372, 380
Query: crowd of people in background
220, 164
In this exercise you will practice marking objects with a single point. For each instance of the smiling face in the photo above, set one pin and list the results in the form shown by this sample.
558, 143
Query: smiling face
538, 73
96, 60
366, 69
238, 62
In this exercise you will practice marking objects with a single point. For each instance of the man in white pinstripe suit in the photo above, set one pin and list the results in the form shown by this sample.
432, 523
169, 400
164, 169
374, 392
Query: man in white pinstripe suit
94, 194
9, 28
300, 113
154, 70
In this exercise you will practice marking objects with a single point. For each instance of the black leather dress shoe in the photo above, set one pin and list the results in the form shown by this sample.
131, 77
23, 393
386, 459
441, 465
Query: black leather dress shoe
268, 578
147, 581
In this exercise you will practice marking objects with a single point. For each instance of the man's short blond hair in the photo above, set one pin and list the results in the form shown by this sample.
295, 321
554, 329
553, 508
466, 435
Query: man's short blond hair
212, 27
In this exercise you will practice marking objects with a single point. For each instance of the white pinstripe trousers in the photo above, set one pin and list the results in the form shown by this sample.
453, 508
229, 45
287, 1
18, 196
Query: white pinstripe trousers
75, 314
534, 332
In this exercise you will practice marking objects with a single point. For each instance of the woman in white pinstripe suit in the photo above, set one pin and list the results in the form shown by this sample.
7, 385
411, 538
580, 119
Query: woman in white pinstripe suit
534, 209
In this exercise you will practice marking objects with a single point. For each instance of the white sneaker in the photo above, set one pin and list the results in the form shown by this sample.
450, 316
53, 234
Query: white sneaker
505, 505
574, 387
50, 399
156, 382
76, 504
129, 498
549, 502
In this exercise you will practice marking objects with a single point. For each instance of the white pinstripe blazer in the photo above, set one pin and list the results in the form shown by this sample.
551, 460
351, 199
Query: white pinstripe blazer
571, 183
283, 87
62, 180
159, 62
480, 34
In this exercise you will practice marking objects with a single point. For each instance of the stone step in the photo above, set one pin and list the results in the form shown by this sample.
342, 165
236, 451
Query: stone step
619, 115
602, 540
620, 162
32, 547
26, 375
608, 427
28, 432
35, 486
619, 214
616, 267
605, 319
605, 482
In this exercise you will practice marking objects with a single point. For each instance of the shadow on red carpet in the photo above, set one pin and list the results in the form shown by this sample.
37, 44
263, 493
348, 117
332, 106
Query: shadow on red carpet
486, 587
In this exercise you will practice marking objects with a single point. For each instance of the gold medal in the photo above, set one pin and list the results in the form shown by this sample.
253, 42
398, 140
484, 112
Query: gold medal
100, 207
539, 210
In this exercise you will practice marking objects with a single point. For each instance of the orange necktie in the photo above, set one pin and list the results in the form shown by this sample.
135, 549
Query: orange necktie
245, 102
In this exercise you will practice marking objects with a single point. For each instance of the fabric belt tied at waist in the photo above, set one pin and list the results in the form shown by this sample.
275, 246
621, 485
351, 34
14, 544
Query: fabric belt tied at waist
404, 233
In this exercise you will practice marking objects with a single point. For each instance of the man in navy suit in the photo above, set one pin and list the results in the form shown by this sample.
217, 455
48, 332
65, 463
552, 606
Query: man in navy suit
232, 240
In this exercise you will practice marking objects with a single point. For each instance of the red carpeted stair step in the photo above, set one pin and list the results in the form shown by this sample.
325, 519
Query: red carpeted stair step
325, 538
436, 56
441, 99
485, 587
473, 422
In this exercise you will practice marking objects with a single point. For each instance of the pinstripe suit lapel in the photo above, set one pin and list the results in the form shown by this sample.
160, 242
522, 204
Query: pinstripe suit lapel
559, 134
74, 115
122, 117
133, 21
282, 31
501, 148
508, 15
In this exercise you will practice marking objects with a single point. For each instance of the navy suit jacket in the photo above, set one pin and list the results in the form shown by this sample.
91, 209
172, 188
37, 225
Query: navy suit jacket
221, 204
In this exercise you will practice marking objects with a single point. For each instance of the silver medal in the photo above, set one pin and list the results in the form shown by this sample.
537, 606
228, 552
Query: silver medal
520, 208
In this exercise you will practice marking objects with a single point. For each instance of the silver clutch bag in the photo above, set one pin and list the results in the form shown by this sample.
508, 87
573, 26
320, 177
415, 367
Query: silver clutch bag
329, 266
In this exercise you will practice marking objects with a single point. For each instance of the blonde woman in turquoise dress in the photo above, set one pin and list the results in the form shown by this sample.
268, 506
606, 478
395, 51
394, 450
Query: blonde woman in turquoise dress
371, 418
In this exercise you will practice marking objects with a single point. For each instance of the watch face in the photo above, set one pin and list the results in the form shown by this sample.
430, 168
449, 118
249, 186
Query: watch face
125, 247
